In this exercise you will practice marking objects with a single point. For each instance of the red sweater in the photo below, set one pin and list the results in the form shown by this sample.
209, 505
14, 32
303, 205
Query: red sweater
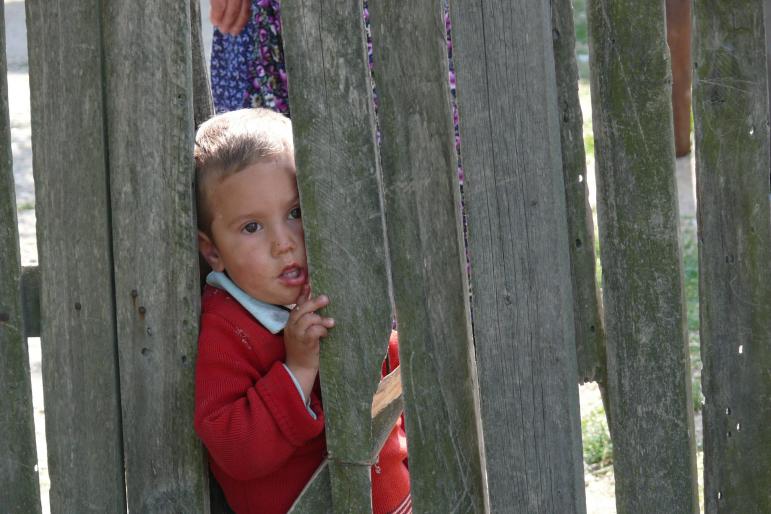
263, 444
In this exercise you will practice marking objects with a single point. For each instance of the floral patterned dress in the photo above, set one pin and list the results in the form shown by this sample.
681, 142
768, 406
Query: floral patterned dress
248, 70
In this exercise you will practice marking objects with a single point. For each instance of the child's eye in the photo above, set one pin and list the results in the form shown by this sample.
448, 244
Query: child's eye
252, 227
295, 214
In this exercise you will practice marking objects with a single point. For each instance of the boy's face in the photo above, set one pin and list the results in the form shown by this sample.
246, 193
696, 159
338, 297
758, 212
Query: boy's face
257, 231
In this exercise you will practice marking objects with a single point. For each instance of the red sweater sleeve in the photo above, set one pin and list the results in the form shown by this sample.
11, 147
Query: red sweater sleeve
251, 423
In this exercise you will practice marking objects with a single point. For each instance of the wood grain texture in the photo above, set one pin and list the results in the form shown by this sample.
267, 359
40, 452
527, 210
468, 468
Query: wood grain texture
316, 497
649, 380
732, 173
340, 192
422, 207
203, 105
387, 406
520, 265
20, 491
587, 309
149, 105
30, 300
80, 378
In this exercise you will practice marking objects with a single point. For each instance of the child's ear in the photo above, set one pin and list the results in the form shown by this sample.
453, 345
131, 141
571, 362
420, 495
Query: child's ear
209, 251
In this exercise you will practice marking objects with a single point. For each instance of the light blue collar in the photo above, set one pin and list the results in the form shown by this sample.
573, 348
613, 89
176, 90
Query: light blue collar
272, 317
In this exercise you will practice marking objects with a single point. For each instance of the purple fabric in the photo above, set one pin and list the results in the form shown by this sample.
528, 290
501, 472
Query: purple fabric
248, 70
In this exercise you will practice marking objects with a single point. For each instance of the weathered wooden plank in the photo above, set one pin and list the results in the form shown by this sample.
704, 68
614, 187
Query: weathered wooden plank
20, 492
30, 300
338, 176
649, 380
83, 426
387, 406
732, 171
520, 264
425, 237
149, 105
316, 497
587, 310
767, 26
203, 105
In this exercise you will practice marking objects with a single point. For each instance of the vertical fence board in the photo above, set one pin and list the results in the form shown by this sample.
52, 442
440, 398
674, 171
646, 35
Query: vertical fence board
203, 106
422, 206
20, 491
83, 423
520, 268
587, 313
648, 368
30, 300
732, 163
767, 26
340, 190
150, 134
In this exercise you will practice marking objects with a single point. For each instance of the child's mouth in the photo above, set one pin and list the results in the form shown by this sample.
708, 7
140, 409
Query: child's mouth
292, 276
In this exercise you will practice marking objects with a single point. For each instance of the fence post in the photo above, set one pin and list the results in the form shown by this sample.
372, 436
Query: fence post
520, 267
425, 236
83, 424
149, 127
649, 380
587, 309
203, 105
340, 190
732, 163
20, 492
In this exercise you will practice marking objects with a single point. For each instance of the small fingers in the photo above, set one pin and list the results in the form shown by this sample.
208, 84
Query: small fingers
230, 16
217, 9
243, 17
316, 332
305, 322
319, 302
309, 304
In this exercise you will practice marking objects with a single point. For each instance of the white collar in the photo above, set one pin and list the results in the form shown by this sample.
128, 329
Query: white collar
272, 317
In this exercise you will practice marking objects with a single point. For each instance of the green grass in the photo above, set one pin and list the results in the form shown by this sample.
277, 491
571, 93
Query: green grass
691, 282
598, 448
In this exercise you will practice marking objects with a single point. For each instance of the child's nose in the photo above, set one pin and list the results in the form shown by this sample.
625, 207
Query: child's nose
282, 244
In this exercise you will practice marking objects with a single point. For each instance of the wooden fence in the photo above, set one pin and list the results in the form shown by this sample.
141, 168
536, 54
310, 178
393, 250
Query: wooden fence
490, 400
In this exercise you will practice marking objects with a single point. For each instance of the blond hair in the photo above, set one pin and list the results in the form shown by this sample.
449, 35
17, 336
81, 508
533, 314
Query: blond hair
229, 142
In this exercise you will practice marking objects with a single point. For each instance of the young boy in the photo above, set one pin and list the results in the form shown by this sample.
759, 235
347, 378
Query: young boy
258, 408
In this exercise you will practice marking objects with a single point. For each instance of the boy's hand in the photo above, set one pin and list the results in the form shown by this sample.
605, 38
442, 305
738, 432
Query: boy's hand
302, 333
